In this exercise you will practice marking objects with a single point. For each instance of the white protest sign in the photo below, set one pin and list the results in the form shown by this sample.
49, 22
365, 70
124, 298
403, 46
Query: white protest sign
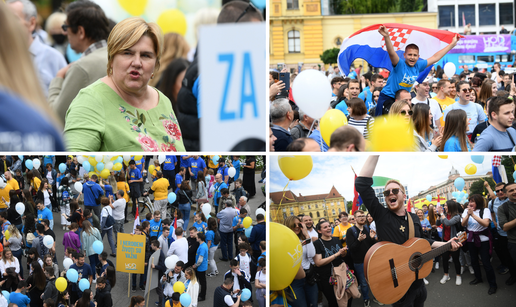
152, 278
232, 87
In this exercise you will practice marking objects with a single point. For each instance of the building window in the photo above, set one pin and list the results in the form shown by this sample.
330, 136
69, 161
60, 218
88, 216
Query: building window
486, 14
311, 215
447, 16
333, 211
469, 14
318, 215
309, 207
506, 13
340, 210
294, 42
292, 4
291, 213
316, 206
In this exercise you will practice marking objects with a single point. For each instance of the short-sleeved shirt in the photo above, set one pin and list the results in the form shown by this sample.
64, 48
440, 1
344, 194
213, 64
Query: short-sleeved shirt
196, 165
118, 212
493, 207
316, 135
155, 228
403, 76
327, 249
236, 165
444, 103
210, 236
20, 299
453, 145
367, 97
184, 161
139, 163
341, 231
179, 180
200, 226
473, 225
435, 108
236, 220
170, 163
84, 272
160, 188
134, 174
492, 139
343, 107
45, 214
226, 219
14, 184
224, 171
202, 251
474, 112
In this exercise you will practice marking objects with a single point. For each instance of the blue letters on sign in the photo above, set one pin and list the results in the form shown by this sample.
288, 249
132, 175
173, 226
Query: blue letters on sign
248, 97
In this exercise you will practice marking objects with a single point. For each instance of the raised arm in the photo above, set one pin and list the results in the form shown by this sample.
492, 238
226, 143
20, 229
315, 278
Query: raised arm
488, 187
369, 167
439, 54
388, 45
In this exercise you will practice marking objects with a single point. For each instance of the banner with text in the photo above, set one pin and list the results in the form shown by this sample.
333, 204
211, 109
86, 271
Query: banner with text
130, 253
483, 44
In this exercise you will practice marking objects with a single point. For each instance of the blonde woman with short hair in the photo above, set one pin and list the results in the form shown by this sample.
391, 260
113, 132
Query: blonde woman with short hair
192, 286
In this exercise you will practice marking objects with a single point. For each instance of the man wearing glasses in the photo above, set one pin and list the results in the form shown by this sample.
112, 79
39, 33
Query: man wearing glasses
500, 236
474, 111
392, 222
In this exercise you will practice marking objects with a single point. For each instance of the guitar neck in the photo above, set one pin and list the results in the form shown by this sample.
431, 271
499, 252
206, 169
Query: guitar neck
436, 252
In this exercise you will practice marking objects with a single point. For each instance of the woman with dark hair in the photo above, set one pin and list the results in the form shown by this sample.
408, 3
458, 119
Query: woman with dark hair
305, 289
359, 118
248, 181
36, 282
202, 192
477, 218
45, 193
454, 135
34, 182
171, 80
423, 132
212, 247
33, 256
64, 195
63, 299
86, 300
185, 202
178, 221
451, 221
342, 94
12, 215
111, 276
487, 90
137, 301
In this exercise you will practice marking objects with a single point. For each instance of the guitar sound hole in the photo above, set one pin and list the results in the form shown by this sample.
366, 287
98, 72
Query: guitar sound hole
416, 261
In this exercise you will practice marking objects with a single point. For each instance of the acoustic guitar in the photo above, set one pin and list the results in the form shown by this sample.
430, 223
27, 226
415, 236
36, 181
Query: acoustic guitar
391, 268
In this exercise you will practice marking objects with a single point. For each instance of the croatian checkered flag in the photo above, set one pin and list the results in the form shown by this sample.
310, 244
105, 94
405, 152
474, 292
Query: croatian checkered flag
499, 174
369, 45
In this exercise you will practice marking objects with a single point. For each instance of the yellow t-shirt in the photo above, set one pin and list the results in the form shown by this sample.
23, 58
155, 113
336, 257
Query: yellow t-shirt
5, 194
444, 103
14, 184
35, 183
340, 232
156, 170
122, 185
160, 188
210, 163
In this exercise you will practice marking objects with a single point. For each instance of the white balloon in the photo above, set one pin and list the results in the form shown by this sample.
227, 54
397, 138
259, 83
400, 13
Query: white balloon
108, 165
80, 159
206, 209
67, 263
107, 159
170, 262
161, 158
20, 208
260, 211
231, 172
78, 186
449, 69
99, 158
48, 241
36, 163
312, 93
127, 158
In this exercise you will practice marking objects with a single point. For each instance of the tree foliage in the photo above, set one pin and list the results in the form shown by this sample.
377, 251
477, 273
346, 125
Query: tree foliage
375, 6
329, 56
477, 187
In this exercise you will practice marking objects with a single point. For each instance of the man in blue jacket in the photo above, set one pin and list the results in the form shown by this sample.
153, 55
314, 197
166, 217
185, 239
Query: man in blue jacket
257, 236
92, 193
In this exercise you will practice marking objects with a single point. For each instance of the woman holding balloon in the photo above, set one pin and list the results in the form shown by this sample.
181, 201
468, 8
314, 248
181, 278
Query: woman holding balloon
90, 234
192, 286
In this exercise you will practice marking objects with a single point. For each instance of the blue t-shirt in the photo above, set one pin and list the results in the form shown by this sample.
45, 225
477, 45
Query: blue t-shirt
453, 145
184, 162
217, 194
155, 228
19, 299
316, 135
492, 139
403, 76
47, 160
84, 272
139, 163
179, 180
367, 99
425, 223
134, 174
108, 189
200, 226
196, 165
45, 214
202, 251
210, 236
236, 165
343, 107
59, 179
236, 219
474, 112
170, 163
224, 171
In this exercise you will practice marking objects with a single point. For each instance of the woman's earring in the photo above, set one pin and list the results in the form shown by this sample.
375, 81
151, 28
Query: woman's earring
152, 76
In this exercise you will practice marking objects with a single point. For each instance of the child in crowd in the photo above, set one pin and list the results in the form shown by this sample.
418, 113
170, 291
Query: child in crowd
200, 222
244, 259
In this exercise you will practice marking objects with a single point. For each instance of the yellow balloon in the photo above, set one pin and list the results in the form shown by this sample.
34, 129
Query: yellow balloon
151, 168
247, 222
331, 120
7, 235
392, 133
117, 166
288, 253
126, 163
61, 284
471, 169
133, 7
295, 167
172, 20
114, 158
92, 160
136, 158
105, 173
179, 287
92, 173
443, 156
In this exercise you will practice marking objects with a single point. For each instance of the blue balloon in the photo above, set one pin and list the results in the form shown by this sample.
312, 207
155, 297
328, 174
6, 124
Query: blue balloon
6, 295
119, 160
185, 299
72, 275
171, 197
459, 184
62, 167
86, 165
455, 194
514, 175
248, 231
259, 4
28, 164
429, 197
21, 157
84, 284
100, 166
246, 294
215, 159
98, 247
477, 159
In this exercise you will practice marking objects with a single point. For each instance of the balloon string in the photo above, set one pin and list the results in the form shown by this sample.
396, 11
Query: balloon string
284, 298
310, 131
282, 197
292, 291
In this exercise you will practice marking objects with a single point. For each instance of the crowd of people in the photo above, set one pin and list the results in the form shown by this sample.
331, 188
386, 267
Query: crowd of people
470, 111
489, 222
127, 76
88, 206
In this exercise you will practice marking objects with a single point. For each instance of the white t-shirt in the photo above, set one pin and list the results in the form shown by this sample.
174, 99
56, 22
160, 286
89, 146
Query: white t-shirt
104, 214
118, 212
228, 300
244, 263
435, 109
47, 201
313, 233
236, 284
308, 255
50, 178
180, 249
473, 225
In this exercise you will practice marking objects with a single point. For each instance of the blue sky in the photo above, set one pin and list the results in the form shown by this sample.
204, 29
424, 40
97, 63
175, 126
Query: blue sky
417, 171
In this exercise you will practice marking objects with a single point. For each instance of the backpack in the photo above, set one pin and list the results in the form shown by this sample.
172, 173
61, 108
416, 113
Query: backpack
216, 239
110, 221
354, 229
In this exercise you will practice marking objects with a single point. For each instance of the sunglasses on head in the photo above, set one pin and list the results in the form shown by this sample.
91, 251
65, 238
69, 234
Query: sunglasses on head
465, 90
388, 192
405, 112
249, 7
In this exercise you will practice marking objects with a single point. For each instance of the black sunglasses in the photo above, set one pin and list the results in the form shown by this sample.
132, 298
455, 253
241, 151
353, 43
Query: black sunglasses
405, 112
497, 191
65, 27
388, 192
250, 6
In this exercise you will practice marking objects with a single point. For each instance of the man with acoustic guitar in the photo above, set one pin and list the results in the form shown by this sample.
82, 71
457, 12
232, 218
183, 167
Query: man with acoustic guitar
395, 225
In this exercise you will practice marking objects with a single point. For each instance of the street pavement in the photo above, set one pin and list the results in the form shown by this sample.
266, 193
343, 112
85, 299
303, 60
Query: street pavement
120, 294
